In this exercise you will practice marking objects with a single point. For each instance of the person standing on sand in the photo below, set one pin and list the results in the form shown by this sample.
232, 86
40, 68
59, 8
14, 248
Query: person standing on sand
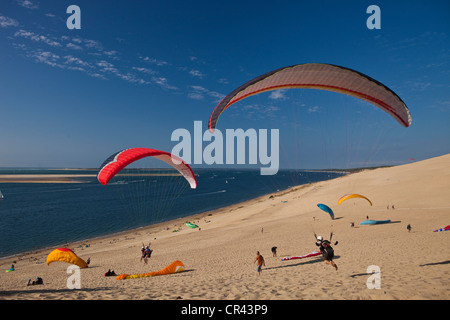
142, 252
274, 251
259, 262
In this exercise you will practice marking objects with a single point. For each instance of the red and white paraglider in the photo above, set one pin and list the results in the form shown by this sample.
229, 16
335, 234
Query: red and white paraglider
121, 159
447, 228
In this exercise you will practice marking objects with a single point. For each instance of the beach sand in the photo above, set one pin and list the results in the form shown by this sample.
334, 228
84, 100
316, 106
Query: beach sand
219, 258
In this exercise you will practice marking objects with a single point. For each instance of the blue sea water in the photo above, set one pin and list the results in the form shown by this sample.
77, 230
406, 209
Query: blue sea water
40, 215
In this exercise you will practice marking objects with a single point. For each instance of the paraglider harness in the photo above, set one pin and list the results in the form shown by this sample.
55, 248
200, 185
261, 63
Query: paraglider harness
326, 249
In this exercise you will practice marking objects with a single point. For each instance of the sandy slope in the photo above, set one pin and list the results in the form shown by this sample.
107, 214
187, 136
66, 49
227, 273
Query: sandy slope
219, 258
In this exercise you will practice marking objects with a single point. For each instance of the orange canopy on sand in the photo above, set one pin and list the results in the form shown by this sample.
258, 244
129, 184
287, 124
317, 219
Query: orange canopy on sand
176, 266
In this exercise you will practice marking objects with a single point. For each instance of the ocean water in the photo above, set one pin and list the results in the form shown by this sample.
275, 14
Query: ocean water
41, 215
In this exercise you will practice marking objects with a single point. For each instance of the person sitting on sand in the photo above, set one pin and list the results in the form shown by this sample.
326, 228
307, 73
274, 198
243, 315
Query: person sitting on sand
110, 273
259, 262
38, 280
327, 251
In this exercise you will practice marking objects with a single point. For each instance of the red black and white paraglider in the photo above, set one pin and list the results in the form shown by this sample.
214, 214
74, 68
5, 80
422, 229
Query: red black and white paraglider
324, 77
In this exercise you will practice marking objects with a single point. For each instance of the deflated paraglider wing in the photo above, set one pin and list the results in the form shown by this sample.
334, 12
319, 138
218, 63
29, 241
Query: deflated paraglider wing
121, 159
350, 196
174, 267
312, 254
327, 209
447, 228
66, 255
320, 76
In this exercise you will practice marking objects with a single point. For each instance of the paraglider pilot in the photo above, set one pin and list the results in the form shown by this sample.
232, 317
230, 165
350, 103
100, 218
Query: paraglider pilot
326, 250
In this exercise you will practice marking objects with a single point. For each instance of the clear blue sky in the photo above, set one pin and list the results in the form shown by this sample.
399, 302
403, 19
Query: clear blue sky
137, 70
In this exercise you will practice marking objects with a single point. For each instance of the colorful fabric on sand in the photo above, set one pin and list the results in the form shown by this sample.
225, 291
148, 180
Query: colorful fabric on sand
312, 254
174, 267
447, 228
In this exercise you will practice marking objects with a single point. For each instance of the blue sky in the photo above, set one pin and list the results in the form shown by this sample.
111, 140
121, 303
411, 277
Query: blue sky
138, 70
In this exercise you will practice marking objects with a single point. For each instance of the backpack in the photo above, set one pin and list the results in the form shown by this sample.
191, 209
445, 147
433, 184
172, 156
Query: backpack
327, 250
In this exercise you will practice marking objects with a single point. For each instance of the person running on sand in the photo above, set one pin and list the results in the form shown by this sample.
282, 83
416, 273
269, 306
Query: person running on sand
259, 262
327, 251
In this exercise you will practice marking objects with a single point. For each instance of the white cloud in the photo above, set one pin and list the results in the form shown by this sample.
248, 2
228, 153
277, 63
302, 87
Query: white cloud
223, 81
313, 109
195, 96
199, 92
71, 60
93, 44
145, 70
154, 61
418, 85
163, 83
73, 46
257, 111
196, 73
46, 57
37, 38
91, 57
110, 53
277, 95
107, 67
6, 22
27, 4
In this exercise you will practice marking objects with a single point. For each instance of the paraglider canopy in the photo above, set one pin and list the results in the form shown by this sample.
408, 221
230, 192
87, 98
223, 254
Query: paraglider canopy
121, 159
327, 209
174, 267
447, 228
66, 255
324, 77
350, 196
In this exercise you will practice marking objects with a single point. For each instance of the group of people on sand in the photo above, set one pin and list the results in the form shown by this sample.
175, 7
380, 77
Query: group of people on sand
146, 253
38, 280
325, 248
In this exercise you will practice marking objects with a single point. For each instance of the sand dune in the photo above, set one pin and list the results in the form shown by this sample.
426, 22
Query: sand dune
219, 257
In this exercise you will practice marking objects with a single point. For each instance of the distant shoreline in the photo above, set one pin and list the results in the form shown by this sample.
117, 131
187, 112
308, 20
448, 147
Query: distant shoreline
78, 178
43, 178
63, 178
